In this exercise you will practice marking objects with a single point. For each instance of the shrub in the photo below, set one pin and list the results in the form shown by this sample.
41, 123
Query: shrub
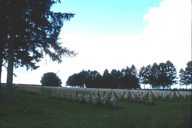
51, 79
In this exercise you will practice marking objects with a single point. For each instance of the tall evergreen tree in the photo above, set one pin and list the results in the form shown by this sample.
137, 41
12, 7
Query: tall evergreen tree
186, 74
32, 31
145, 75
167, 74
129, 78
158, 75
107, 79
154, 75
116, 75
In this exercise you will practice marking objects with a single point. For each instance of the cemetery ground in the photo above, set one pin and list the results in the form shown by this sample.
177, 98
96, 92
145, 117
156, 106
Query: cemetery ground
34, 111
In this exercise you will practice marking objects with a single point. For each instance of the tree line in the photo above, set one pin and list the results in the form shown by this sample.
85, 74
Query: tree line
162, 75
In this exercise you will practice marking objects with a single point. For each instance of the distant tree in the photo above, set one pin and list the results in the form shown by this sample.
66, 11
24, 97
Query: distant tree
107, 79
77, 79
158, 75
154, 75
116, 75
129, 78
135, 77
145, 75
167, 74
73, 81
182, 77
89, 79
51, 79
186, 75
93, 79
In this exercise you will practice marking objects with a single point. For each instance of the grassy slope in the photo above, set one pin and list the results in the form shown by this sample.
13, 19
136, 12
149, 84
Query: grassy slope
28, 111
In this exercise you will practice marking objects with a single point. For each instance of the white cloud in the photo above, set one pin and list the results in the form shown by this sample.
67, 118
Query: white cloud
166, 37
169, 31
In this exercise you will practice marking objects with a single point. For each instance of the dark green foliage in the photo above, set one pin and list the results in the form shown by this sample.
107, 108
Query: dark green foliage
158, 75
186, 74
127, 78
165, 75
76, 80
33, 30
110, 80
145, 75
161, 75
90, 79
51, 79
29, 30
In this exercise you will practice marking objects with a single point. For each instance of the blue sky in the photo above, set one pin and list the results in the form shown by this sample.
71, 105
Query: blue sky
113, 34
106, 16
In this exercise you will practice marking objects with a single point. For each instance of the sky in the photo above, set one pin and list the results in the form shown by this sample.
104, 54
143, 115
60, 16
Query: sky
114, 34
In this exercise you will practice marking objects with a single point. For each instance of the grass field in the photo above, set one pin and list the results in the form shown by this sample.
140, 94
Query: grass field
29, 111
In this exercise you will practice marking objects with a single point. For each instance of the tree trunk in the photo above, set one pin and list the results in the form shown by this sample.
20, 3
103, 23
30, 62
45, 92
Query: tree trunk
2, 48
1, 61
0, 70
10, 65
1, 64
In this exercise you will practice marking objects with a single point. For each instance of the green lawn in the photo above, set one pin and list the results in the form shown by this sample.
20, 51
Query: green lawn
29, 111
